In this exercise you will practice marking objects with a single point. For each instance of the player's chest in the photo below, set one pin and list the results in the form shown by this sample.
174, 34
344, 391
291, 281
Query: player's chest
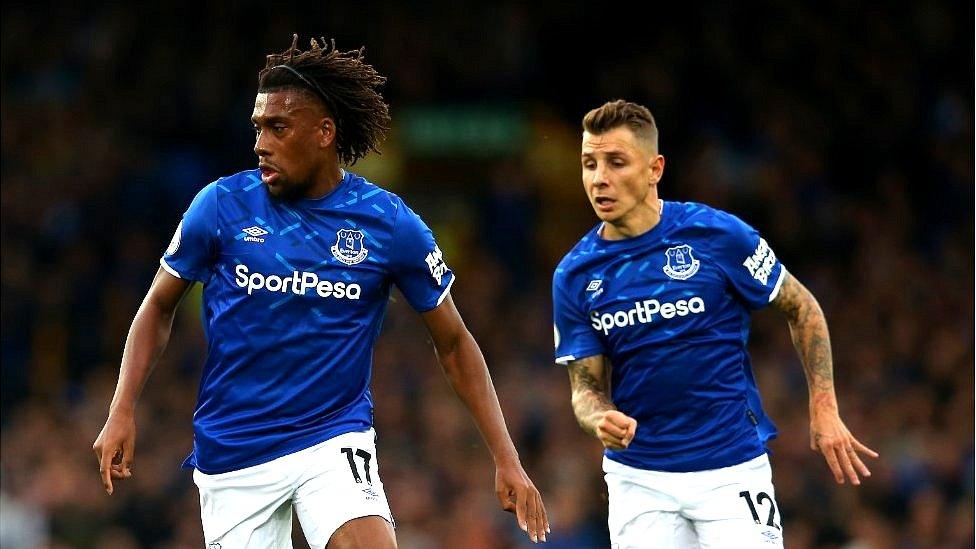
310, 255
665, 288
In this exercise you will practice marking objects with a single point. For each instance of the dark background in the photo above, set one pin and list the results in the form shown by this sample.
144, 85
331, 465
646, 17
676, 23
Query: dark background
843, 131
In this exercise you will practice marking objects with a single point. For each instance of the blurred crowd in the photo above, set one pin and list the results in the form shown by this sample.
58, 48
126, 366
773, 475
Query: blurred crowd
843, 132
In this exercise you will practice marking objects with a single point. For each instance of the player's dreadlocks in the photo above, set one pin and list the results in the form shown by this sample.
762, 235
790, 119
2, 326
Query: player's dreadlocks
344, 82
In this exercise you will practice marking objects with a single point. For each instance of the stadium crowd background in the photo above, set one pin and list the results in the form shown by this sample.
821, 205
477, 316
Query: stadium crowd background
843, 132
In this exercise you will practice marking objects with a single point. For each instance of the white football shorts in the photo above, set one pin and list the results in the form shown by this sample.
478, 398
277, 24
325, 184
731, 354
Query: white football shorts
733, 507
327, 484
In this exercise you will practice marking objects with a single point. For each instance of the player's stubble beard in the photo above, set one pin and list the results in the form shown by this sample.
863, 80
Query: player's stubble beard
287, 191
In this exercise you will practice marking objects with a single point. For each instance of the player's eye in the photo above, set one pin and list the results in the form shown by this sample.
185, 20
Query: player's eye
278, 128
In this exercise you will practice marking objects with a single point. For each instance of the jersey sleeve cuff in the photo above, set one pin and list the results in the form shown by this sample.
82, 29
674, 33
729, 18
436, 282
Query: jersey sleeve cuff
779, 284
566, 359
423, 307
446, 292
166, 267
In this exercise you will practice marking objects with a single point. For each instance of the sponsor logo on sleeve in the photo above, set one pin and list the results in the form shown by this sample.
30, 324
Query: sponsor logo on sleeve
349, 247
435, 262
681, 263
760, 264
174, 244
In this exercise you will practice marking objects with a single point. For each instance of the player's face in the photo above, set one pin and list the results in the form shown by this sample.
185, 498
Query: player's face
292, 135
620, 171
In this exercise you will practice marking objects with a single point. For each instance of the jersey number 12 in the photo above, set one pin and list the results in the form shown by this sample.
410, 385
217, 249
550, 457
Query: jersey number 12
759, 500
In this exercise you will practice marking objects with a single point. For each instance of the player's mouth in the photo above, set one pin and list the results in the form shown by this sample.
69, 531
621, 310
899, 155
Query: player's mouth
604, 204
268, 174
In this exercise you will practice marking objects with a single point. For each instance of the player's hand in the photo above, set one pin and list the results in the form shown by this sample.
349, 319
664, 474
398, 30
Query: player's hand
830, 436
115, 448
615, 429
518, 495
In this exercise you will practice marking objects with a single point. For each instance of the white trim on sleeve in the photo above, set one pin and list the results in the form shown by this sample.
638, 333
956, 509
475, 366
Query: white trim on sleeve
446, 290
170, 270
564, 360
779, 284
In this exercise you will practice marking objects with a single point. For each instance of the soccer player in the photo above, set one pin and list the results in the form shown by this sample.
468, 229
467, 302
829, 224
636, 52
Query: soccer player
651, 315
297, 259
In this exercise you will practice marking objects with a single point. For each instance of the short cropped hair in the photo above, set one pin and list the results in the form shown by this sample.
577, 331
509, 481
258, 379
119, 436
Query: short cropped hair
346, 85
614, 114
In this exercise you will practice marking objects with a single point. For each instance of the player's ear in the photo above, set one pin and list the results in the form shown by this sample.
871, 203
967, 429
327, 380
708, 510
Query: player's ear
327, 132
656, 167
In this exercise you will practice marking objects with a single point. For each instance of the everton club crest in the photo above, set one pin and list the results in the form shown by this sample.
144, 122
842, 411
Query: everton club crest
349, 247
681, 264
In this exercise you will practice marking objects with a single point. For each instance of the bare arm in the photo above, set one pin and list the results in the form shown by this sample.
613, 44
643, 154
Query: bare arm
466, 371
808, 329
828, 434
589, 379
148, 336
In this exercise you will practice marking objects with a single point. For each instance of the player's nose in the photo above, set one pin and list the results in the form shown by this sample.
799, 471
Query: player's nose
260, 147
598, 177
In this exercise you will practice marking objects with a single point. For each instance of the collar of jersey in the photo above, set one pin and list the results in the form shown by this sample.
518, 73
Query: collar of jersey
646, 236
330, 197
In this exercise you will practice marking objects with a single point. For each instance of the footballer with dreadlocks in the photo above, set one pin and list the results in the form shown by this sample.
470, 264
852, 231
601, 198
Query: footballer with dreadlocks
297, 259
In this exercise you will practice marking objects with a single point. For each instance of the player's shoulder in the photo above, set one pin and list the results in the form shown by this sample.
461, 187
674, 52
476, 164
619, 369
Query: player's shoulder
207, 197
691, 213
238, 182
363, 193
584, 251
701, 218
210, 199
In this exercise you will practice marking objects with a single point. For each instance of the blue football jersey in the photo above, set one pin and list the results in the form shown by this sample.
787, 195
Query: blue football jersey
670, 310
293, 298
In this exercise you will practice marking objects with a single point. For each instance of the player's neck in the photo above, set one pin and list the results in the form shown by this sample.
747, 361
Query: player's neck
638, 221
325, 182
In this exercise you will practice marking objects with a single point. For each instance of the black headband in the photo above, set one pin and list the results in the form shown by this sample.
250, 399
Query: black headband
314, 87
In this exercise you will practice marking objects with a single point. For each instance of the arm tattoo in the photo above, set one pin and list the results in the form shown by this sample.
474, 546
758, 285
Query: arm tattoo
590, 381
808, 329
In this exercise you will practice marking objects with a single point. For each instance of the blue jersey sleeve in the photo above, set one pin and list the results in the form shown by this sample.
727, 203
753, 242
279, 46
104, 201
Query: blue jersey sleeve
190, 254
748, 262
575, 337
417, 263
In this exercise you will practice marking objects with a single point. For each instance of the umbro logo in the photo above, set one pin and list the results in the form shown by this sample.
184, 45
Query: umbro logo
255, 231
254, 234
595, 286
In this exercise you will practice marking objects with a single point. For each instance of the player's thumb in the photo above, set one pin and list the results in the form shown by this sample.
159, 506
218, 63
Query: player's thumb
504, 497
631, 430
623, 421
617, 418
128, 455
